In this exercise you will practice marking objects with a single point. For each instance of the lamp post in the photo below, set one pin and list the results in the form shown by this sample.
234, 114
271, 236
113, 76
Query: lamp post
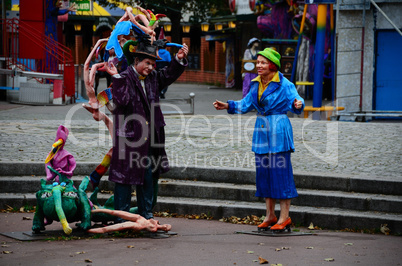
186, 36
204, 46
167, 28
78, 42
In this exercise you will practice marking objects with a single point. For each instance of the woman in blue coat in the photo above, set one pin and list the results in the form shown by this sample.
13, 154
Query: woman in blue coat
272, 95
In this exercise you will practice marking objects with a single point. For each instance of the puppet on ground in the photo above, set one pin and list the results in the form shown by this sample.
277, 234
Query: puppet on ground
133, 222
63, 202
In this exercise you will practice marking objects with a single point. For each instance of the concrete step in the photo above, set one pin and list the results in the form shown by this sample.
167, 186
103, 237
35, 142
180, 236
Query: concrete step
329, 218
230, 191
26, 184
309, 180
307, 197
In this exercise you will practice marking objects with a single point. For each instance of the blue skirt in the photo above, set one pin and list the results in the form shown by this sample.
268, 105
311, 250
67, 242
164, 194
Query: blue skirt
274, 177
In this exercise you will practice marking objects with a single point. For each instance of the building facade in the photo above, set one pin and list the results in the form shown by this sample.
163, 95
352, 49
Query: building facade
368, 54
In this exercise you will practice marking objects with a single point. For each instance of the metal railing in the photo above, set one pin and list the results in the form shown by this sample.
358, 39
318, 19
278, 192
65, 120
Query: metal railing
53, 57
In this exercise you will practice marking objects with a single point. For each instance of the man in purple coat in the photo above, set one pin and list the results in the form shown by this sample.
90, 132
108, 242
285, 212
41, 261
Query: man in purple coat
139, 154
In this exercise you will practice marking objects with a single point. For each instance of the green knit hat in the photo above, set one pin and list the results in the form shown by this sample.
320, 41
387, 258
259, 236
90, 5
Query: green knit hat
271, 55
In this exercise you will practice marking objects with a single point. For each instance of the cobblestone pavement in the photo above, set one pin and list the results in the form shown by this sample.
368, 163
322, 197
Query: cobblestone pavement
212, 140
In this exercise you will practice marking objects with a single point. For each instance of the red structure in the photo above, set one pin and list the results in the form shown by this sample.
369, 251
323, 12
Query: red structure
28, 48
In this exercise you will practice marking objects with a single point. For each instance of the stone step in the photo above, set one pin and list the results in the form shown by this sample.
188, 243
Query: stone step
26, 184
309, 180
329, 218
307, 197
236, 192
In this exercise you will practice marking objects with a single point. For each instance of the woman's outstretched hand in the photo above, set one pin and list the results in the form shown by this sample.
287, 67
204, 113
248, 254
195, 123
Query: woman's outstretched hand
220, 105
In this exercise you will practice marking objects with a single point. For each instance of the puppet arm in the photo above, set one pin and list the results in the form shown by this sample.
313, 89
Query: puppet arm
90, 76
143, 28
145, 12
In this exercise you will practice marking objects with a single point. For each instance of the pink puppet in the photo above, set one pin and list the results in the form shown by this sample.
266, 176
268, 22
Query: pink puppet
58, 158
133, 222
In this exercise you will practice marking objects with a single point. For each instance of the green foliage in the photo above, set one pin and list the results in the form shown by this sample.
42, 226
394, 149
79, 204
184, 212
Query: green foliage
29, 208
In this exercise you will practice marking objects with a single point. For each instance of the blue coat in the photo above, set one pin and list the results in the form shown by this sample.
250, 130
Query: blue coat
272, 132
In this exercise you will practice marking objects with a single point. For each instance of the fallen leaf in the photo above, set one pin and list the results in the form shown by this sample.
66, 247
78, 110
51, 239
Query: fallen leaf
261, 244
277, 249
250, 252
88, 260
262, 260
7, 252
80, 252
26, 218
309, 247
255, 260
329, 259
348, 244
5, 246
311, 226
130, 246
279, 264
286, 248
384, 229
22, 209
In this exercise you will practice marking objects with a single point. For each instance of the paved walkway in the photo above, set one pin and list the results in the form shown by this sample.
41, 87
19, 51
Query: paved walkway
198, 242
210, 138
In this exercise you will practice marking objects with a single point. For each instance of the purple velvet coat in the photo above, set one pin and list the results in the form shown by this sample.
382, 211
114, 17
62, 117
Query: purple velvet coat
139, 124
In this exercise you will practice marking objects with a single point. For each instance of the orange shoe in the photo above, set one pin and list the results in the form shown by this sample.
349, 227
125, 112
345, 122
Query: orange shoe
266, 224
285, 224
